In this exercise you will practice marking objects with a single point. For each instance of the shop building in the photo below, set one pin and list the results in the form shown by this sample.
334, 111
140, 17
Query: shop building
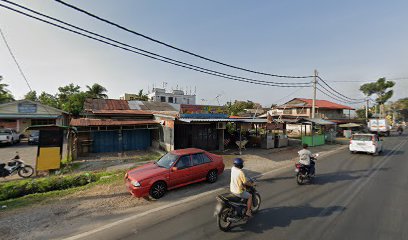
22, 114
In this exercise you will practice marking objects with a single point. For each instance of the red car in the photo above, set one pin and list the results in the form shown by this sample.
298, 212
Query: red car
175, 169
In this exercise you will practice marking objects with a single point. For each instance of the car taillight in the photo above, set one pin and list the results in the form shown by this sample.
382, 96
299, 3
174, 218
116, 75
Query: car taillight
351, 141
373, 140
298, 165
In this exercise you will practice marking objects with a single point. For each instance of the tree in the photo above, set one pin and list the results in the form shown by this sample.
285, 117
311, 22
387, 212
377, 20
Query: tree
361, 113
5, 95
31, 95
379, 88
75, 103
238, 107
96, 91
48, 99
141, 96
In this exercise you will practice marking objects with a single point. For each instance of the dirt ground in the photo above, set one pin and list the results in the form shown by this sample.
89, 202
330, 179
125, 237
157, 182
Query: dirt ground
65, 215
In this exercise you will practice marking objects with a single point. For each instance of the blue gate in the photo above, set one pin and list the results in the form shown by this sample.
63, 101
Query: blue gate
106, 141
136, 139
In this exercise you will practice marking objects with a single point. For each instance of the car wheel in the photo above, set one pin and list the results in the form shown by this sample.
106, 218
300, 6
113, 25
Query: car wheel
158, 190
212, 176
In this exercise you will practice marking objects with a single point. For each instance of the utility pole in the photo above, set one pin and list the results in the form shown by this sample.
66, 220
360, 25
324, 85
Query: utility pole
314, 93
366, 113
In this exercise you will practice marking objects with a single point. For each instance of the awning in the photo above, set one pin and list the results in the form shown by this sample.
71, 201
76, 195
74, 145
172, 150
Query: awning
45, 127
319, 121
349, 125
189, 120
252, 120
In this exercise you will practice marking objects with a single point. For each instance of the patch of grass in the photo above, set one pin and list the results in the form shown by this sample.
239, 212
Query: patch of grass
21, 188
104, 179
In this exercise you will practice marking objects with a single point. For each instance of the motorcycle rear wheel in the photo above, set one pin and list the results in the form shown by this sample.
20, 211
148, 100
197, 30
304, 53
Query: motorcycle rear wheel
223, 224
26, 171
256, 202
299, 179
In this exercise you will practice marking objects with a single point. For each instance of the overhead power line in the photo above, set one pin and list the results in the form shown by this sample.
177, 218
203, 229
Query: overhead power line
147, 53
173, 47
366, 81
15, 59
338, 93
335, 98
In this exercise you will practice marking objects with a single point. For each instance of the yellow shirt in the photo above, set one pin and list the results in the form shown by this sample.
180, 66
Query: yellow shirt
237, 180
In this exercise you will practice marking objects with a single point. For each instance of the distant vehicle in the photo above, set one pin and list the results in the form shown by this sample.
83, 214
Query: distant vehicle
369, 143
33, 137
175, 169
9, 136
379, 126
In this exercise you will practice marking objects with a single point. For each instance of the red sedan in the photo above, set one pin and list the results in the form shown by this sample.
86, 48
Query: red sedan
175, 169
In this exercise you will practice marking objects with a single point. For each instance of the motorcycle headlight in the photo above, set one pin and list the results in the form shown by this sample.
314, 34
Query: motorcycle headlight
135, 183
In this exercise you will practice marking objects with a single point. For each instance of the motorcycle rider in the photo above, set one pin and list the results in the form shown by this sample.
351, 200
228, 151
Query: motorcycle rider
238, 181
304, 158
400, 129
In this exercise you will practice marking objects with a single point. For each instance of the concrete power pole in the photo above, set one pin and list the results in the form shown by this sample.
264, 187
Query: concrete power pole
367, 106
314, 93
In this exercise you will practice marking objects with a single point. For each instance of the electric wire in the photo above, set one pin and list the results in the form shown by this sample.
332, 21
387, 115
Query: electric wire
334, 90
158, 57
15, 59
171, 46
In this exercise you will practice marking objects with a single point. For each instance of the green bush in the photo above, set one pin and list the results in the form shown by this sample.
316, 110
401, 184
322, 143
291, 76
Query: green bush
15, 189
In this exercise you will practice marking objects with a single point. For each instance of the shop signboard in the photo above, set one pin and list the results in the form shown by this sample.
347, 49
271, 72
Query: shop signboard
203, 111
27, 108
275, 126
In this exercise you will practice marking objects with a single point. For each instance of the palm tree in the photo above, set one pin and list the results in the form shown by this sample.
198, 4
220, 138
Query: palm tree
96, 91
142, 97
5, 95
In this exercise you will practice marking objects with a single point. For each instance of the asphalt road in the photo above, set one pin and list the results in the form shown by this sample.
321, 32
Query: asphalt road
355, 196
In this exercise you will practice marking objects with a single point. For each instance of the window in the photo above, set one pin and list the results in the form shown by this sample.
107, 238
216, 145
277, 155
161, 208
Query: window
167, 160
287, 111
200, 158
42, 122
170, 99
162, 99
175, 100
300, 111
183, 162
188, 101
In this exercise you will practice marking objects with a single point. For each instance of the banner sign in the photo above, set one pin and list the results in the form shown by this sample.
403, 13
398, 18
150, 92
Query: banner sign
275, 126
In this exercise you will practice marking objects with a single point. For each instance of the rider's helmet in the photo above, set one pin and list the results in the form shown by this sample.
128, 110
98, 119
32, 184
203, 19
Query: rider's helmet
239, 163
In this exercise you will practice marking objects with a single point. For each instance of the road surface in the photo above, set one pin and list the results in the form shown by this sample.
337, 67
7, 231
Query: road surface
355, 196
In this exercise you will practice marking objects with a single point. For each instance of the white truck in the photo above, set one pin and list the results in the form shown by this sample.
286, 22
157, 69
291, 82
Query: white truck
380, 126
9, 136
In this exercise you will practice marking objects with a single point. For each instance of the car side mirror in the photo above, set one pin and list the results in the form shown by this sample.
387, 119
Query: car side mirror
173, 169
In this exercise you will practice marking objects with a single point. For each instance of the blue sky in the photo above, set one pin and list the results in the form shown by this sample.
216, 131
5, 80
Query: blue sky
343, 40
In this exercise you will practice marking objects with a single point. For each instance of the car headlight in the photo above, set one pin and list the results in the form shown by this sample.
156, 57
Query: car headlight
135, 183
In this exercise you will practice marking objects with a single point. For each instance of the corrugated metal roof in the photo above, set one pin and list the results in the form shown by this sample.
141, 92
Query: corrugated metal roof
32, 116
319, 104
320, 121
105, 104
125, 112
86, 122
188, 120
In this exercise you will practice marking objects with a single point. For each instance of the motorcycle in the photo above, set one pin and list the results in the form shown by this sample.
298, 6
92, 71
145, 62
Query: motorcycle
304, 173
400, 131
232, 209
16, 165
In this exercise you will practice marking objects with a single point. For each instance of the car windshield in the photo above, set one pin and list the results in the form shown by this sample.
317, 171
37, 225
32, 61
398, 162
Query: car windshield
35, 134
362, 137
4, 131
167, 160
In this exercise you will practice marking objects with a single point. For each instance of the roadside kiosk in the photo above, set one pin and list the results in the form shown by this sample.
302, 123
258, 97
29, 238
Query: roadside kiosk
50, 144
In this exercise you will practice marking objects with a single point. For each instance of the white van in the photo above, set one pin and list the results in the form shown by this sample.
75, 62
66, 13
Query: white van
369, 143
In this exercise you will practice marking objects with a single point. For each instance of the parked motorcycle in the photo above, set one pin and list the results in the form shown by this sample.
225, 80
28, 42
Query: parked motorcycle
16, 165
304, 173
232, 209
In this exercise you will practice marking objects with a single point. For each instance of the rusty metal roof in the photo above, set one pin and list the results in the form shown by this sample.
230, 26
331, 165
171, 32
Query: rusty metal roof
122, 112
87, 122
105, 104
